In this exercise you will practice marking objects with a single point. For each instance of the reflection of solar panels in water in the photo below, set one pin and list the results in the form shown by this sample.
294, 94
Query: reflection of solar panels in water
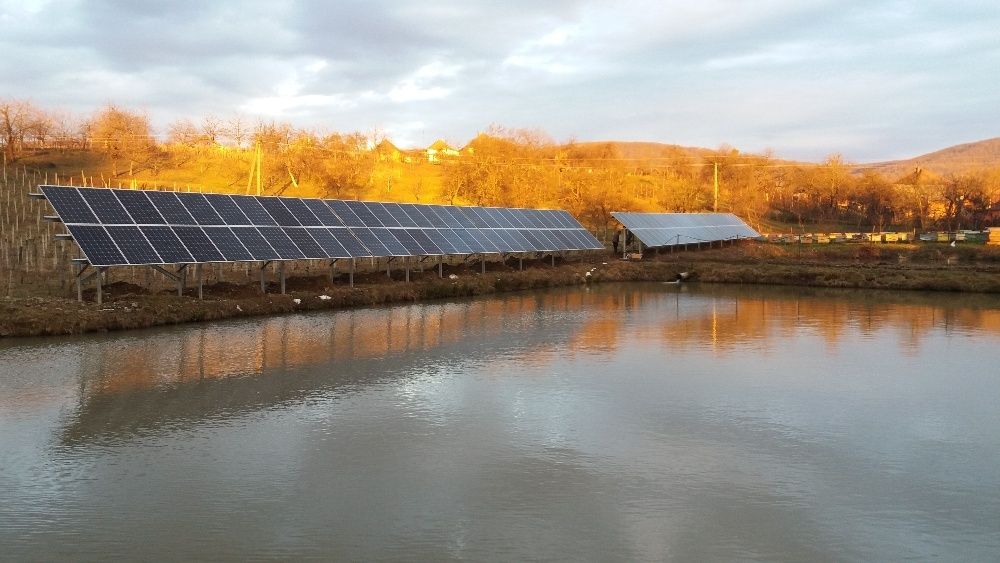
147, 227
671, 229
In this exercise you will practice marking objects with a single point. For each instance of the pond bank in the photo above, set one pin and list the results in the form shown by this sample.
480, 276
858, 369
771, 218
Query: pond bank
128, 306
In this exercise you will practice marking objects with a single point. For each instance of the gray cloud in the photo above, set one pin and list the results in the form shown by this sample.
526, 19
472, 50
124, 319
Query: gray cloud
871, 80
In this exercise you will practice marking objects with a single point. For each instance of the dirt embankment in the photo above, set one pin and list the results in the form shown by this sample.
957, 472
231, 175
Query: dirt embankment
128, 306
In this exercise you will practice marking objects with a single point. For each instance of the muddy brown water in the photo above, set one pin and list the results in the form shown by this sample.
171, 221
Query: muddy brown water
621, 422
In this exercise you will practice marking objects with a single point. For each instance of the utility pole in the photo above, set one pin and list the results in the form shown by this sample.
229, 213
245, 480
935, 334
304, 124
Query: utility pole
715, 207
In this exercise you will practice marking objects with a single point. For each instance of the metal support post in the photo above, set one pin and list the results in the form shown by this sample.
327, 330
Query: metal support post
520, 262
197, 275
553, 259
281, 273
181, 279
263, 285
482, 264
440, 266
100, 286
333, 270
351, 274
79, 281
406, 266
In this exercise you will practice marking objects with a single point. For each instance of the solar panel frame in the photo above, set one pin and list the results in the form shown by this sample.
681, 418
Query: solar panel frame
381, 211
392, 244
329, 243
368, 238
360, 208
344, 212
412, 247
351, 243
425, 242
416, 214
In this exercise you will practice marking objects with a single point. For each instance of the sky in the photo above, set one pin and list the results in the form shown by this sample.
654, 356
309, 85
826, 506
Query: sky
870, 80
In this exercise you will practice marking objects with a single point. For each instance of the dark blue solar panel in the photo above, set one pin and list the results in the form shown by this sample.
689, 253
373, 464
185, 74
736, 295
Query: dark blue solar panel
529, 235
198, 207
425, 242
301, 211
133, 245
227, 243
329, 243
479, 221
511, 244
412, 247
440, 240
456, 240
522, 244
416, 214
343, 211
197, 243
106, 206
255, 243
167, 245
500, 218
361, 210
399, 215
69, 204
381, 211
278, 240
473, 244
464, 220
139, 207
350, 242
512, 218
487, 217
449, 218
391, 242
371, 242
276, 209
228, 210
497, 238
254, 211
430, 211
323, 213
170, 208
302, 239
97, 245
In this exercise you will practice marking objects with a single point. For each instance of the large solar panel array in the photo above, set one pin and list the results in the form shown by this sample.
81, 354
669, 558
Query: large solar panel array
669, 229
143, 227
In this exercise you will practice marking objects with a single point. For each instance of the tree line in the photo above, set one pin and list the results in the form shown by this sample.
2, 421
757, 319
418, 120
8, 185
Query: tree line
511, 167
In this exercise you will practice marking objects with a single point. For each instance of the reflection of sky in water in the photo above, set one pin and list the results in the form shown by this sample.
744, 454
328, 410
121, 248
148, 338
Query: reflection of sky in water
616, 422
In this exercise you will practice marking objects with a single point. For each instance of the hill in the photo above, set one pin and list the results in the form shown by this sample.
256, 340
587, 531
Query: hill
958, 159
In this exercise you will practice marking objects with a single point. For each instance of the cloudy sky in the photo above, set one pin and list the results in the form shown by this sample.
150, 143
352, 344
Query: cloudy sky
870, 79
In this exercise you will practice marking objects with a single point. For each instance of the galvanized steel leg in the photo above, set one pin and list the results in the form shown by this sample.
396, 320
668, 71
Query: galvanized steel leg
351, 274
520, 262
406, 264
100, 286
440, 266
483, 265
281, 272
263, 287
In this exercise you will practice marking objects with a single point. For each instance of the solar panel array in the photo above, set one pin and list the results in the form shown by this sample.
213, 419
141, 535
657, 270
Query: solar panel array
669, 229
143, 227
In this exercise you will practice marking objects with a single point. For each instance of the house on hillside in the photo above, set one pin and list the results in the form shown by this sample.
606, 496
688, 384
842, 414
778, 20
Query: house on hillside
440, 150
386, 152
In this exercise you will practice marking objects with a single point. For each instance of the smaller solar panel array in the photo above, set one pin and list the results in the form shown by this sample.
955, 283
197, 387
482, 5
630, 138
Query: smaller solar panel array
144, 227
670, 229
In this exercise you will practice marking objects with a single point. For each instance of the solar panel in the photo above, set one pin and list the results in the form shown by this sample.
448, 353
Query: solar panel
133, 245
170, 208
198, 207
107, 207
139, 207
97, 245
671, 229
167, 245
118, 227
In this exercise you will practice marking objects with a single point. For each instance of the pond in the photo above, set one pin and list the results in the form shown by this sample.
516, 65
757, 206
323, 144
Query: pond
619, 422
